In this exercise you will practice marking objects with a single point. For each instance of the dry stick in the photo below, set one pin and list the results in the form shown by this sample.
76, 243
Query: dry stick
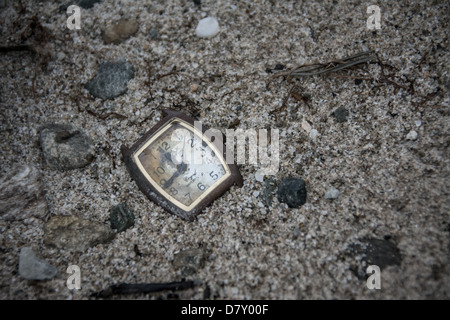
133, 288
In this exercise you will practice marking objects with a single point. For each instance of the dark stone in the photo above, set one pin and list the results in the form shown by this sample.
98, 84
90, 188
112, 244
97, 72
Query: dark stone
292, 191
340, 114
65, 147
198, 2
358, 82
121, 217
85, 4
381, 253
270, 186
111, 79
279, 67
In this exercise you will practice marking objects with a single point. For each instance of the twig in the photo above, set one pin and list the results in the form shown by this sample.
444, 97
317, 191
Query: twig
133, 288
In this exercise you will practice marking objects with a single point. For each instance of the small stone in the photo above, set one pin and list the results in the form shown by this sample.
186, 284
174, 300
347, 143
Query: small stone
190, 261
358, 81
65, 148
33, 268
154, 34
60, 55
121, 217
313, 134
207, 27
306, 126
75, 234
85, 4
376, 252
292, 191
412, 135
258, 176
332, 193
418, 123
270, 185
194, 87
22, 194
120, 31
340, 114
111, 79
296, 232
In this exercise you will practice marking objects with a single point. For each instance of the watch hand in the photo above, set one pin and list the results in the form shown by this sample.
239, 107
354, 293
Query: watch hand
181, 168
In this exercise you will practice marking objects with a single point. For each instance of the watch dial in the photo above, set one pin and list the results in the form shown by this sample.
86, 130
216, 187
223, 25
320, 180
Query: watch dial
181, 164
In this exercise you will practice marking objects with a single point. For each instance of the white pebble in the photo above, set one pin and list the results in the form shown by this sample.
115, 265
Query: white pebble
259, 177
418, 123
207, 27
332, 193
412, 135
306, 126
256, 194
313, 133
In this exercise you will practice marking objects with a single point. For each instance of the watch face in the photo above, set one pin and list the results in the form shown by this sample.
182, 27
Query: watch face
178, 168
180, 165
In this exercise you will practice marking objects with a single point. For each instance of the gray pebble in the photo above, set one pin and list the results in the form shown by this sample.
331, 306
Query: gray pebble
292, 191
22, 194
190, 261
332, 193
111, 79
121, 217
33, 268
340, 114
65, 147
75, 234
154, 34
270, 186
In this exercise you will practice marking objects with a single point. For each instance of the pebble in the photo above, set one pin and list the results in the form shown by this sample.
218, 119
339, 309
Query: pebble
22, 194
33, 268
189, 261
207, 27
306, 126
270, 185
85, 4
313, 134
378, 252
111, 79
120, 31
121, 217
340, 114
292, 191
154, 34
65, 147
332, 193
75, 234
259, 177
412, 135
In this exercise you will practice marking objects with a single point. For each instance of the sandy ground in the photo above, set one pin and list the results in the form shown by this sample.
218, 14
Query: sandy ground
390, 187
